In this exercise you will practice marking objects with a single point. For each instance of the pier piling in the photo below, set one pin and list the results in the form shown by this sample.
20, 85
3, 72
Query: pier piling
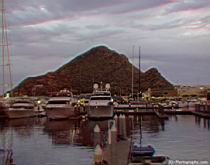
98, 155
97, 135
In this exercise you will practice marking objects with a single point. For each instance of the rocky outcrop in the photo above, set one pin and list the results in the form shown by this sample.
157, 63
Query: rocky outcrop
99, 64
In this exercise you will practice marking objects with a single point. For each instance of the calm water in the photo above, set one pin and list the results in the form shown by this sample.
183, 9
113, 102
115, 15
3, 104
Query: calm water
42, 142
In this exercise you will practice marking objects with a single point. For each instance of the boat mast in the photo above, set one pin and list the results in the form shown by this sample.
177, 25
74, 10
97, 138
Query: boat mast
139, 91
140, 132
6, 64
132, 71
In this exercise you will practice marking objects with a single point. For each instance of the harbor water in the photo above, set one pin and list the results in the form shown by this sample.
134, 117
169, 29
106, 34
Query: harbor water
37, 141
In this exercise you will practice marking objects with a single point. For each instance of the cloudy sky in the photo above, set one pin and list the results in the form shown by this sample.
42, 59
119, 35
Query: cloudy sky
174, 34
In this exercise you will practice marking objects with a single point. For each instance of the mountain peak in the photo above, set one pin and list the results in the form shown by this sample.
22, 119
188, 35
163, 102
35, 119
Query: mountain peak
100, 50
100, 47
152, 71
99, 64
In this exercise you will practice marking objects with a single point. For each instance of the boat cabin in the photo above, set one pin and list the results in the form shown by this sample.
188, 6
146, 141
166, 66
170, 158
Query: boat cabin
59, 100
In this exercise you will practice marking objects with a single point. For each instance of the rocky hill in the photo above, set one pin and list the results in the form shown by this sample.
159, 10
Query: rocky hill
99, 64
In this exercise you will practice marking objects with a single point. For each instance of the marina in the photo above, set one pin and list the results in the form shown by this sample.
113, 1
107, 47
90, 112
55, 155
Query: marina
140, 95
107, 139
75, 140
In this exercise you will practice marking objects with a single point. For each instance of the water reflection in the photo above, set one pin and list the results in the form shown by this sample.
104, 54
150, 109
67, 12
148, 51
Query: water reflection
62, 132
91, 138
22, 127
77, 137
202, 122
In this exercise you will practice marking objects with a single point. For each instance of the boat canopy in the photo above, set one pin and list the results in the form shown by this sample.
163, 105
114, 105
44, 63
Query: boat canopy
139, 150
102, 93
58, 102
100, 98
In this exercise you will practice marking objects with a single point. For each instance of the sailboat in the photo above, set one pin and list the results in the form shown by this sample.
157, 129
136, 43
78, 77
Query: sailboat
5, 150
139, 78
144, 154
6, 83
136, 101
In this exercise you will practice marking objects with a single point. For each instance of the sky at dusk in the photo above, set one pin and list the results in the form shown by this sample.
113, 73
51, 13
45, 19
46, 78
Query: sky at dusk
174, 35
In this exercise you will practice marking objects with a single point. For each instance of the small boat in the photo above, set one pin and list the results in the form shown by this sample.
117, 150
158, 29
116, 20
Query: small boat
144, 155
100, 104
60, 108
170, 105
139, 150
21, 108
39, 109
149, 160
2, 110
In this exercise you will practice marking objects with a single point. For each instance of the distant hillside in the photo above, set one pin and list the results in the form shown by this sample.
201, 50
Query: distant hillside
99, 64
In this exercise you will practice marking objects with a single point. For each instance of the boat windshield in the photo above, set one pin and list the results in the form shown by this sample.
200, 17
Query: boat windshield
23, 102
102, 93
100, 98
58, 102
22, 107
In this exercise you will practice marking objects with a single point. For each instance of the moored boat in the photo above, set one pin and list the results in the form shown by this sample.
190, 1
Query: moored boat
138, 150
144, 155
149, 160
39, 108
3, 107
100, 104
21, 108
60, 108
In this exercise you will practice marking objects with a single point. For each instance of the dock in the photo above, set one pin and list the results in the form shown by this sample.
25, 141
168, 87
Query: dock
133, 112
202, 114
178, 112
112, 155
141, 109
202, 110
158, 113
133, 106
110, 152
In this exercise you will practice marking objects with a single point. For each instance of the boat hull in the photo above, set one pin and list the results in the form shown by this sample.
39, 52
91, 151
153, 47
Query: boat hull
16, 114
60, 113
154, 160
3, 108
98, 112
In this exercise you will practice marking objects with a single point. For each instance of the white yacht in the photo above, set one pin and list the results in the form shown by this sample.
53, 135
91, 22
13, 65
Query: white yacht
21, 108
100, 103
60, 107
